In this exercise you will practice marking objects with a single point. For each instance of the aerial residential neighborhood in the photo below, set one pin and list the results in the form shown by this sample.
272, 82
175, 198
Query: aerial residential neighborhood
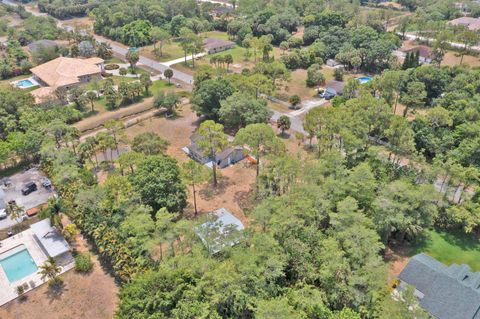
314, 159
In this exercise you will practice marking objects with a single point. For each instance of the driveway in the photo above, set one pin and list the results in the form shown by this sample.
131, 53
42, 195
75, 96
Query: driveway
121, 50
14, 192
179, 60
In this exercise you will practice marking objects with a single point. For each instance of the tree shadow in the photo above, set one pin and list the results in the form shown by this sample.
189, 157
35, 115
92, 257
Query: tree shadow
284, 135
55, 291
209, 191
457, 238
90, 113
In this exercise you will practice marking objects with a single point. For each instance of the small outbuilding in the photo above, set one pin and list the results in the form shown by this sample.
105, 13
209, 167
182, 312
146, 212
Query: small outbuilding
334, 64
50, 240
215, 45
220, 230
424, 52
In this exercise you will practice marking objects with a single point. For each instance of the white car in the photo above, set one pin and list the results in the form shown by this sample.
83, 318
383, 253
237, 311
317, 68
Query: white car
3, 214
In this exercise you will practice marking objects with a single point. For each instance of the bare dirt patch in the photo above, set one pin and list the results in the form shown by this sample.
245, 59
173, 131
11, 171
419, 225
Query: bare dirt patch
453, 58
296, 85
233, 192
176, 130
82, 23
397, 258
235, 182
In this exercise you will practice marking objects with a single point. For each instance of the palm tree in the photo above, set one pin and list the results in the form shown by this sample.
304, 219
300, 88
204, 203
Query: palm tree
50, 270
15, 211
53, 210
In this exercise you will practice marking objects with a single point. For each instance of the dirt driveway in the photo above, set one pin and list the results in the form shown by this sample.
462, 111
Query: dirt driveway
96, 121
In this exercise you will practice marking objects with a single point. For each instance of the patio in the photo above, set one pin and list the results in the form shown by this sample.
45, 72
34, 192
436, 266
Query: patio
41, 241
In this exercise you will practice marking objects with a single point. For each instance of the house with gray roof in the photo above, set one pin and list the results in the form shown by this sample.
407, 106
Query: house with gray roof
222, 229
215, 45
51, 241
446, 292
228, 156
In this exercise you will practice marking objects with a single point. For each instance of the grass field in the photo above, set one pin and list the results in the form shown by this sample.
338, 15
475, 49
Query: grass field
451, 247
173, 50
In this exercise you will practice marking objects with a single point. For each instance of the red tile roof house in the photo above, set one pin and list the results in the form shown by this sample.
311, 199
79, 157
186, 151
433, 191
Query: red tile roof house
64, 72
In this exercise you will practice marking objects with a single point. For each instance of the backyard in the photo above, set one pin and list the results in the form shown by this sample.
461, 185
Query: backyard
92, 295
235, 183
452, 247
446, 247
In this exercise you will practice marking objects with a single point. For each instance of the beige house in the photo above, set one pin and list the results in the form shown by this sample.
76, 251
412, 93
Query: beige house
64, 72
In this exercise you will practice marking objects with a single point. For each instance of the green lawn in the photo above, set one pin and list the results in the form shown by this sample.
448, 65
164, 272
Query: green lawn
115, 60
215, 34
170, 51
6, 82
173, 50
116, 81
452, 247
157, 86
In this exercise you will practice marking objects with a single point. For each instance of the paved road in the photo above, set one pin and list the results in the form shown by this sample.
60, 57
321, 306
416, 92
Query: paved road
218, 2
414, 36
121, 50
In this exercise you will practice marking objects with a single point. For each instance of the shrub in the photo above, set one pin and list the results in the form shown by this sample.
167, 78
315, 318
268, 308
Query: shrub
20, 290
111, 66
83, 263
338, 74
122, 71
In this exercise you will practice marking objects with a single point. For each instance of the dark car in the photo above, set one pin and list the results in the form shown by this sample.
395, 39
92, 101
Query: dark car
329, 94
29, 188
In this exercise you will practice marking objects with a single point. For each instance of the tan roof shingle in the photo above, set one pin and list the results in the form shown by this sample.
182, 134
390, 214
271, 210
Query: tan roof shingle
65, 71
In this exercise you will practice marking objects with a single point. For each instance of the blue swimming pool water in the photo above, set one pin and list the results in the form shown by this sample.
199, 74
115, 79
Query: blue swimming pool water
18, 265
364, 79
25, 84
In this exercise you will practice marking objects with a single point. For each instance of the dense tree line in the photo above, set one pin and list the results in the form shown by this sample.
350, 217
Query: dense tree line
63, 9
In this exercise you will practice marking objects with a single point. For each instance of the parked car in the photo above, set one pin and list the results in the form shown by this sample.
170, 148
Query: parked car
328, 94
46, 182
30, 187
3, 213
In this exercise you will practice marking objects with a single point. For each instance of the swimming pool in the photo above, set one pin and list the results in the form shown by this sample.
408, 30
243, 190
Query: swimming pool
24, 84
18, 265
364, 79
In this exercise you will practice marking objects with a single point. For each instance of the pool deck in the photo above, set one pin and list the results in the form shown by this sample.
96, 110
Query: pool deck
8, 291
31, 79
